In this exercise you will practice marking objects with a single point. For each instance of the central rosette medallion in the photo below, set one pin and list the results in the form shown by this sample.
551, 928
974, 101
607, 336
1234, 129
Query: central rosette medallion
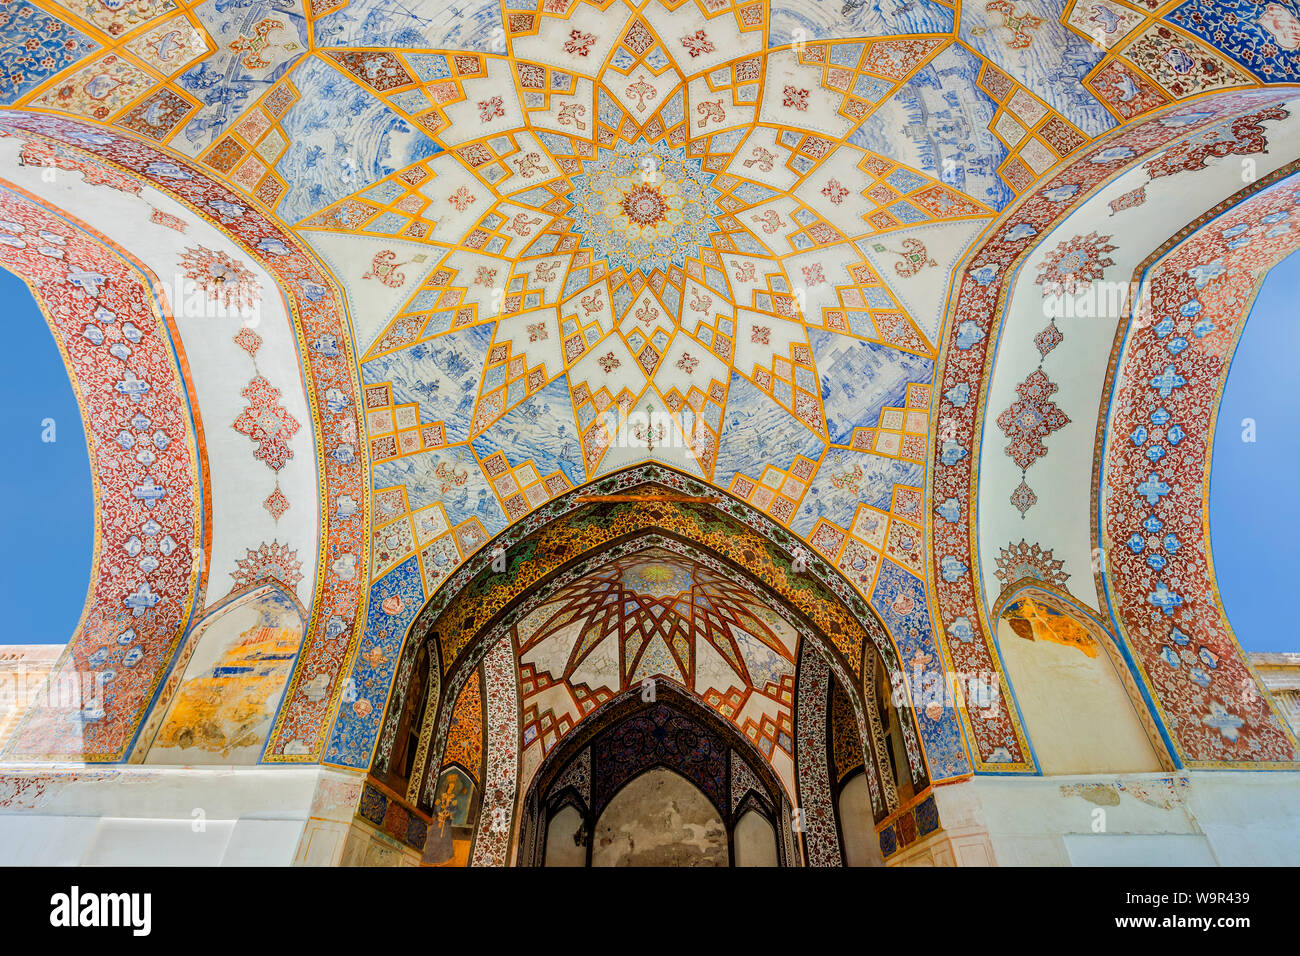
644, 206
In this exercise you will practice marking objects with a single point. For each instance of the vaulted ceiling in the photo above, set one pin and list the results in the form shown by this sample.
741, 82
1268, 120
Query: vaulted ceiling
656, 615
468, 258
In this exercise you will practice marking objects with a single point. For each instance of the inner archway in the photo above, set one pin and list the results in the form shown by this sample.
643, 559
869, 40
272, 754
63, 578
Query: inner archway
634, 594
660, 819
652, 782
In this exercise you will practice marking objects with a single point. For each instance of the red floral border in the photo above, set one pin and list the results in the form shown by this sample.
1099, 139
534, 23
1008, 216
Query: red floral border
1166, 395
977, 304
142, 449
332, 392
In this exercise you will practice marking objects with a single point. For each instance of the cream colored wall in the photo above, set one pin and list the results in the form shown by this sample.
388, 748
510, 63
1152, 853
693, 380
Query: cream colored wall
560, 848
1075, 709
755, 841
1191, 818
245, 816
857, 826
288, 815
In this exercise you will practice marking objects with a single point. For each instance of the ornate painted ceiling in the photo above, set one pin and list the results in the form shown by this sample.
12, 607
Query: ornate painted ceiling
655, 615
406, 273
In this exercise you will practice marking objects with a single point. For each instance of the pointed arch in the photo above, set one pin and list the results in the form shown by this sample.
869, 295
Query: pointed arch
615, 747
1034, 608
1056, 243
240, 653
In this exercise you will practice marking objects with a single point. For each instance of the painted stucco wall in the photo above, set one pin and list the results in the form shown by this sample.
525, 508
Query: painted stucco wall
1193, 818
560, 848
861, 846
1078, 714
23, 669
755, 841
659, 819
232, 816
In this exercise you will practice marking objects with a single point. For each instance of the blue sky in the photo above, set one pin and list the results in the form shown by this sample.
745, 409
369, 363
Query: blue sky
1254, 508
47, 519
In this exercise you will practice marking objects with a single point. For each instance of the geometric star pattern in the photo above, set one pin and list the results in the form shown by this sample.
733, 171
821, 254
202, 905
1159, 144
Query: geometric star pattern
656, 615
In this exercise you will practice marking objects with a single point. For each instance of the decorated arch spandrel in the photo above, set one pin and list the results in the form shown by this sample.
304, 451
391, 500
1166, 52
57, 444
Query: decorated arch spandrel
1061, 237
823, 144
81, 158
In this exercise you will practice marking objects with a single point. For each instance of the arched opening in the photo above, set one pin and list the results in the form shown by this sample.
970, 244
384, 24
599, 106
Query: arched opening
1253, 404
655, 782
45, 592
218, 704
1114, 256
656, 594
226, 516
660, 819
1081, 715
754, 842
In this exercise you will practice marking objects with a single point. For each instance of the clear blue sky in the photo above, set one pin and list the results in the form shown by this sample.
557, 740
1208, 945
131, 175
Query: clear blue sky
1254, 508
46, 520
